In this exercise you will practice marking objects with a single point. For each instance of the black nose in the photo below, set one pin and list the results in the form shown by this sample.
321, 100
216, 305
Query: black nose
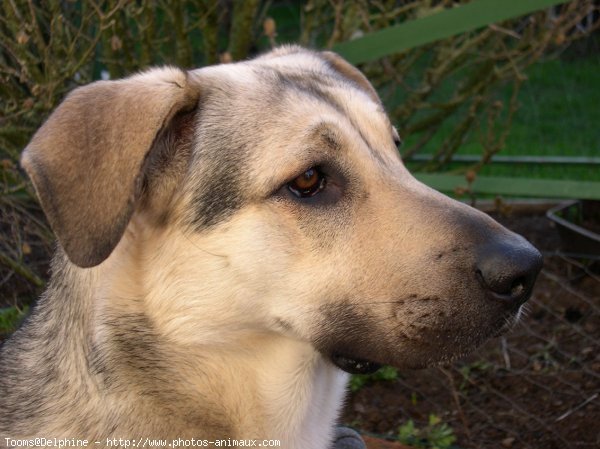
508, 269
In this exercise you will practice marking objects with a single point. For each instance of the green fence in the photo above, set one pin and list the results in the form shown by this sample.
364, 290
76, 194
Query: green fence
443, 24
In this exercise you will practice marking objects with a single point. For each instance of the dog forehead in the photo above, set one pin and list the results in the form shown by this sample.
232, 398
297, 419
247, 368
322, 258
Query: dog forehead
288, 59
288, 83
311, 74
287, 70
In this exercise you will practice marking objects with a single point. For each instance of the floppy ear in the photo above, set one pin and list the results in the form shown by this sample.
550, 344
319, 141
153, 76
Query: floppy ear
86, 161
350, 72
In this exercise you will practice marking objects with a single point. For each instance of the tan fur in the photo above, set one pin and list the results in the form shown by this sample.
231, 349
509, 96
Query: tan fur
222, 298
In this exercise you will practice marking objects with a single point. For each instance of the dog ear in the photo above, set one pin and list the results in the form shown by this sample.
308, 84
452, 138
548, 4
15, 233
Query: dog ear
350, 72
86, 162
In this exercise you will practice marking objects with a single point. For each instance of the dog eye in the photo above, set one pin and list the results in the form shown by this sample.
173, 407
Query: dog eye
308, 184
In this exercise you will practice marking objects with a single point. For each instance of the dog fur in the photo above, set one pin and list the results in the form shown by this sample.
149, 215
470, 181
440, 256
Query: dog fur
193, 296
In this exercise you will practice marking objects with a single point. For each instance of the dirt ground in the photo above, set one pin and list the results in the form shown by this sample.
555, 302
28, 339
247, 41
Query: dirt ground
537, 387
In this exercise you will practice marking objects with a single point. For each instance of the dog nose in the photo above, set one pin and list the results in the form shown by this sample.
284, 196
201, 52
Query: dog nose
508, 269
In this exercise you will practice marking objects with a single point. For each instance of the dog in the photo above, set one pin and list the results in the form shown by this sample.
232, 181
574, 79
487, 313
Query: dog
233, 241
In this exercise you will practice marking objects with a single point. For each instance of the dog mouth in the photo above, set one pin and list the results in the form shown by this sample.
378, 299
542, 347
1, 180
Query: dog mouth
508, 323
353, 365
348, 363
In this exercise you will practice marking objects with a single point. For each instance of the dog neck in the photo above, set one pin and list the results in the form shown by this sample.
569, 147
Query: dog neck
256, 383
113, 347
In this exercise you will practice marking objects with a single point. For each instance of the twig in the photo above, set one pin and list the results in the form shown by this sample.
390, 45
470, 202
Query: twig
578, 407
506, 31
505, 355
242, 27
459, 408
336, 33
21, 270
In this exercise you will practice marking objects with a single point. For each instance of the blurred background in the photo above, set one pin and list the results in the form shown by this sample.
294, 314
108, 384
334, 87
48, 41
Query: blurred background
497, 102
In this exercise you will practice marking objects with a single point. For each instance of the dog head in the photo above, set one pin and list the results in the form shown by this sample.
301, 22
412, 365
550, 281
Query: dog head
268, 196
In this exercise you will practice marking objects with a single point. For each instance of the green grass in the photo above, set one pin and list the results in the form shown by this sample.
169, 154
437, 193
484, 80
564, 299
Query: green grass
558, 116
436, 435
10, 317
559, 111
386, 373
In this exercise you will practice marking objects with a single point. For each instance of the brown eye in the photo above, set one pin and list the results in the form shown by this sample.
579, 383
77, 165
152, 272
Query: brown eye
308, 183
